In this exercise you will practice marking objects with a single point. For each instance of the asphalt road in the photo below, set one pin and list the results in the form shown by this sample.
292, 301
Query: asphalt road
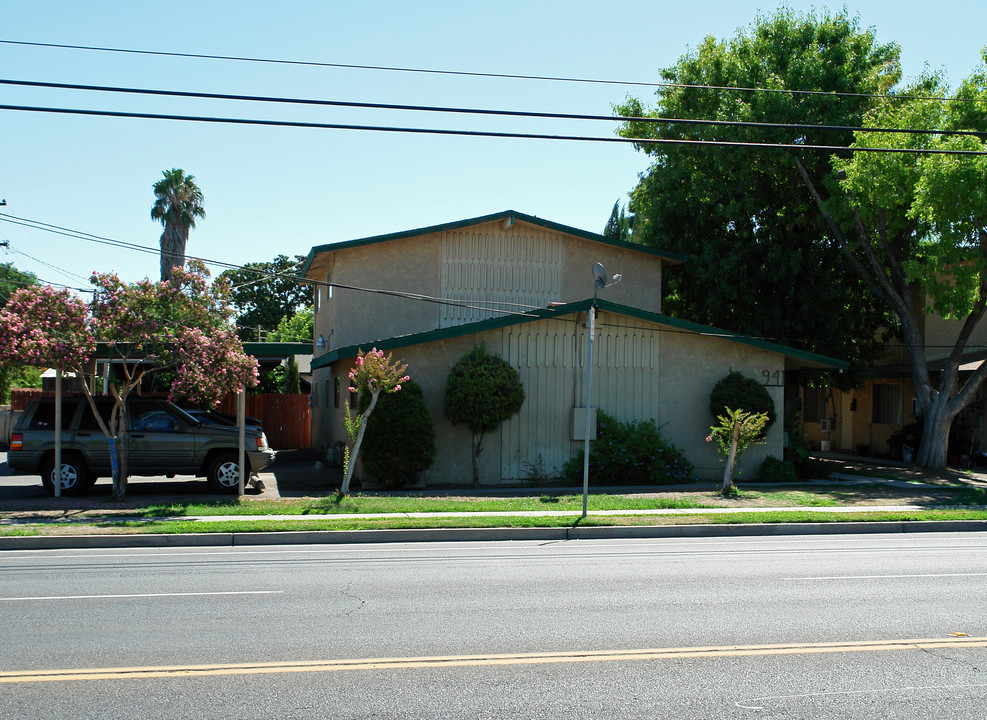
801, 627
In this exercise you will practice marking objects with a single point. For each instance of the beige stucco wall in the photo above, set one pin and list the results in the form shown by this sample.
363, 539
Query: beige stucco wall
855, 432
509, 256
691, 365
642, 370
941, 334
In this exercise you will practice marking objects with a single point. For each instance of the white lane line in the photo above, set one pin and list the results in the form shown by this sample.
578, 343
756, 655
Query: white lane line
143, 595
887, 577
745, 704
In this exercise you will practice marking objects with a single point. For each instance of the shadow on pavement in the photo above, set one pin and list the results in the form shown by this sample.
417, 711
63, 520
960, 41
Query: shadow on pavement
297, 474
25, 492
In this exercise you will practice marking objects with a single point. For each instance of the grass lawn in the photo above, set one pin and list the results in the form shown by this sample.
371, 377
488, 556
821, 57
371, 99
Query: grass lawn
942, 503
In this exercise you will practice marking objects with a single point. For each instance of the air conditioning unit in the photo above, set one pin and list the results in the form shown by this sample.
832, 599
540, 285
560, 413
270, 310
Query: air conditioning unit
827, 424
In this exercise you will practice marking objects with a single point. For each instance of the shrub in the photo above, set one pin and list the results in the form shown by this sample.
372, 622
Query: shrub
482, 391
400, 439
774, 470
739, 392
630, 453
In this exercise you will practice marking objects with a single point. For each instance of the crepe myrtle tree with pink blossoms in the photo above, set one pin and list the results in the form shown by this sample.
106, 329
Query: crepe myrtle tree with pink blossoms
376, 374
183, 326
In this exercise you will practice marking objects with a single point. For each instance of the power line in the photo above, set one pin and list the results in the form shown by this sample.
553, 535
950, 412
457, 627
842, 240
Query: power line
479, 111
464, 73
79, 235
483, 133
488, 307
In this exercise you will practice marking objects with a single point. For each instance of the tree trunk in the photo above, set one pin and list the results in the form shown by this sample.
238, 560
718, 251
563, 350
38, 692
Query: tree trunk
118, 459
345, 488
173, 242
477, 449
119, 441
728, 471
934, 446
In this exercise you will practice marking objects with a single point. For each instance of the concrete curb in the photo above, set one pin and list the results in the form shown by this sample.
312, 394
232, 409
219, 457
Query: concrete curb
338, 537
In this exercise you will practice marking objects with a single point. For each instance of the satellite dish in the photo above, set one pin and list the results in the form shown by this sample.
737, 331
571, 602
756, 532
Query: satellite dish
599, 275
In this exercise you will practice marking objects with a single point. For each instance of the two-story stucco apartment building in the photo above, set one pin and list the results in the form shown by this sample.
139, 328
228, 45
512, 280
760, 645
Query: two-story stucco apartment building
523, 286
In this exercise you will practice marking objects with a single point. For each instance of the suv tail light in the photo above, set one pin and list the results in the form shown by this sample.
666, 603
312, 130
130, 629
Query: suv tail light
17, 441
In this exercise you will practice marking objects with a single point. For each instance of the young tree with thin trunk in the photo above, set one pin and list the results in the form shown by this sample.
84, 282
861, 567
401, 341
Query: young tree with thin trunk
375, 374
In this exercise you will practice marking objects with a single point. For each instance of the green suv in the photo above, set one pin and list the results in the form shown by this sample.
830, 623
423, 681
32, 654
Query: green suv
162, 440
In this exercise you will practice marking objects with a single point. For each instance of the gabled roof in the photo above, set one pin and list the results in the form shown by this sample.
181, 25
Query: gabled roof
509, 216
809, 359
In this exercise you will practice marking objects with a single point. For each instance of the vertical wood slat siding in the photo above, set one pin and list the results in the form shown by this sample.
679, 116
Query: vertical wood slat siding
522, 269
550, 357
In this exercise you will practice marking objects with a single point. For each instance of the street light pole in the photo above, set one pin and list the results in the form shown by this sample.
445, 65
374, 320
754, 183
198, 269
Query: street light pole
599, 281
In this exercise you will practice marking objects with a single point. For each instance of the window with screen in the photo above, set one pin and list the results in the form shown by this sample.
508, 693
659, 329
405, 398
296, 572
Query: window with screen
886, 404
814, 404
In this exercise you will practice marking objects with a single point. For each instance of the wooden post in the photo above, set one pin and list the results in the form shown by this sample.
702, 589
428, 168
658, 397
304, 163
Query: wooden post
56, 479
241, 421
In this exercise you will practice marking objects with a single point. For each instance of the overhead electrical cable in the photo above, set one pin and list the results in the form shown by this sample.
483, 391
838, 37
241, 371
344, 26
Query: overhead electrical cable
464, 73
709, 332
478, 111
79, 235
480, 133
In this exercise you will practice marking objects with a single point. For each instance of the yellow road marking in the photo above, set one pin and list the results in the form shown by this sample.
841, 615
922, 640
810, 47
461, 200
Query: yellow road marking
176, 671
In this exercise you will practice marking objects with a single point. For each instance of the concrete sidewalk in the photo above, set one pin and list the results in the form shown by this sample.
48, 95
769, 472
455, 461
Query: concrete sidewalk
296, 475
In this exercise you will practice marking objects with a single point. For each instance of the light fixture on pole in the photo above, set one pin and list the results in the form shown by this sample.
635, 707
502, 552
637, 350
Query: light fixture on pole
599, 282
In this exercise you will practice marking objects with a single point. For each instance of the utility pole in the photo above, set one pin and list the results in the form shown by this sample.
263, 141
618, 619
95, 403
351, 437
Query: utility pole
5, 243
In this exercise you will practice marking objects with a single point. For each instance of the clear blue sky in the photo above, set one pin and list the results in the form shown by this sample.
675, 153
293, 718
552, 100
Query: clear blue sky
280, 190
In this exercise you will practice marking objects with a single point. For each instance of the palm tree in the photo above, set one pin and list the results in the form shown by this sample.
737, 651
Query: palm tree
178, 205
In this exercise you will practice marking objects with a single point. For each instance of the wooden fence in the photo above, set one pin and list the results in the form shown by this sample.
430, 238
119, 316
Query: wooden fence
20, 398
286, 418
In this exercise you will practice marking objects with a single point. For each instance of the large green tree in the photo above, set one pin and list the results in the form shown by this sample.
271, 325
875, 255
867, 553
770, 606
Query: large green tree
267, 293
914, 227
177, 205
760, 260
297, 328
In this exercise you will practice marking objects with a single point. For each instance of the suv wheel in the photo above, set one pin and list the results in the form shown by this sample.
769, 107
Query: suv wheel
224, 473
75, 475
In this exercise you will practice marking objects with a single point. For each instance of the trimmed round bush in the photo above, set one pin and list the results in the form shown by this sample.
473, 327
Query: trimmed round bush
482, 391
739, 392
400, 439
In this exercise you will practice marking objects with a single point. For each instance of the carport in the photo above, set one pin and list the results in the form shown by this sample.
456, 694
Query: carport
106, 357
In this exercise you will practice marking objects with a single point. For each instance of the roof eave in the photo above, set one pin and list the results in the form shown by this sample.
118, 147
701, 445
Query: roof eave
804, 358
509, 215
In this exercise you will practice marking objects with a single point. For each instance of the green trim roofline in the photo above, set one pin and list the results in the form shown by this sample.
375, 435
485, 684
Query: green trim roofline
568, 309
507, 215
